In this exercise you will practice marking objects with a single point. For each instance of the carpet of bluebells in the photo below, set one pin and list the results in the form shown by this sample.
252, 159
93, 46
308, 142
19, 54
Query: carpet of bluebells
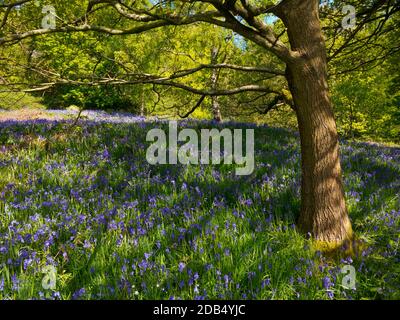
84, 200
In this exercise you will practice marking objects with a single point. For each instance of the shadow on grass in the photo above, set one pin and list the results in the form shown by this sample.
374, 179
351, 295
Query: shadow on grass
375, 171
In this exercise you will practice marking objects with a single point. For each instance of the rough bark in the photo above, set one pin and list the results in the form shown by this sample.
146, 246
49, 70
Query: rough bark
323, 210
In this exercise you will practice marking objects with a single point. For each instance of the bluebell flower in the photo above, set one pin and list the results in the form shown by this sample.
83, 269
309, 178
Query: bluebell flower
181, 267
326, 281
78, 294
15, 282
147, 255
265, 283
56, 295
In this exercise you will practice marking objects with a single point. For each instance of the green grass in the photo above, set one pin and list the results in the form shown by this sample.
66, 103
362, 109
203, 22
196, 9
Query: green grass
88, 203
19, 100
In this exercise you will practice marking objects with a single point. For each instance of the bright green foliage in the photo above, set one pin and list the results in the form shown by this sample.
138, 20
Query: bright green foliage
365, 108
364, 75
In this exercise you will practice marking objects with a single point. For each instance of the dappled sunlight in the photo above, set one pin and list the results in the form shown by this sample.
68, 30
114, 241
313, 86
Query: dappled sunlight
116, 227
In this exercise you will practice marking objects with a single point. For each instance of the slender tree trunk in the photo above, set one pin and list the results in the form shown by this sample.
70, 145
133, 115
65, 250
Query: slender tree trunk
352, 118
216, 110
142, 104
323, 211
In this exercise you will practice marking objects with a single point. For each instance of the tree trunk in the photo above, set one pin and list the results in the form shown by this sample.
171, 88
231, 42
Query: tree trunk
323, 210
214, 83
142, 104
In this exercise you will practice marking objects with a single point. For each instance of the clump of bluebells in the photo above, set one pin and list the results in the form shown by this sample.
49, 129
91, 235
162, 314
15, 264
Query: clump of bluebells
86, 202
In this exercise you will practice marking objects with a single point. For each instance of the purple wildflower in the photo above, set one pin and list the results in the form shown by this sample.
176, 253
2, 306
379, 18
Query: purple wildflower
181, 267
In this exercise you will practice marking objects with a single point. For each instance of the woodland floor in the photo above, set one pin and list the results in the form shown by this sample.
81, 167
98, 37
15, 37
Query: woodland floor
84, 200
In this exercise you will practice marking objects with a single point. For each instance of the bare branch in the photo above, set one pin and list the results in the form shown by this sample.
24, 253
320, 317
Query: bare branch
198, 104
